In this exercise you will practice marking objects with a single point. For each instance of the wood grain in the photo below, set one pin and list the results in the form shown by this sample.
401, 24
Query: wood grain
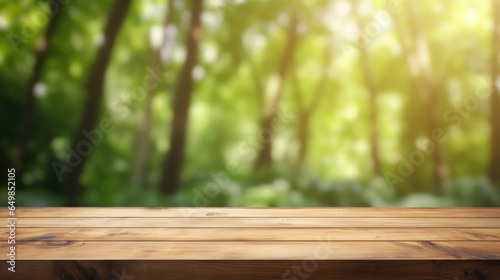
256, 250
411, 234
257, 234
251, 270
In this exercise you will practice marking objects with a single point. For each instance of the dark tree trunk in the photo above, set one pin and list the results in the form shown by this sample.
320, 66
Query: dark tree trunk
172, 166
271, 105
95, 87
140, 163
42, 50
494, 171
373, 92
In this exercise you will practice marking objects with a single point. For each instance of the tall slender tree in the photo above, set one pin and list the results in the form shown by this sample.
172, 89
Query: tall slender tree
307, 111
172, 165
140, 162
42, 50
95, 91
373, 93
413, 102
273, 94
494, 171
424, 86
428, 89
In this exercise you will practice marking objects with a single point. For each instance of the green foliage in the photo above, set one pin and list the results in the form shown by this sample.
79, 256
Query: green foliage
224, 133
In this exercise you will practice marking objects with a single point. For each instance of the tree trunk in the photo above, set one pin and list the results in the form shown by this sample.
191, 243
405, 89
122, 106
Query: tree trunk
494, 171
139, 168
306, 112
303, 137
140, 162
373, 92
42, 49
413, 104
427, 88
95, 87
172, 166
273, 96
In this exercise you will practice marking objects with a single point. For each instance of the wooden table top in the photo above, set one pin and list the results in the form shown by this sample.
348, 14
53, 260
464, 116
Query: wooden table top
254, 234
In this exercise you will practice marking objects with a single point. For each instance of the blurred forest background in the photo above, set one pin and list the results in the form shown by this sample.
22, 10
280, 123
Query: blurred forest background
251, 103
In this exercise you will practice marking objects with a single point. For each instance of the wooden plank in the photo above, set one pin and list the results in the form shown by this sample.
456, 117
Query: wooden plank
257, 250
200, 212
257, 234
251, 270
259, 222
212, 235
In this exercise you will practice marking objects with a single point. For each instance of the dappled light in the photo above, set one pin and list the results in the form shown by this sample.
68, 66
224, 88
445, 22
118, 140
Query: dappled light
251, 103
